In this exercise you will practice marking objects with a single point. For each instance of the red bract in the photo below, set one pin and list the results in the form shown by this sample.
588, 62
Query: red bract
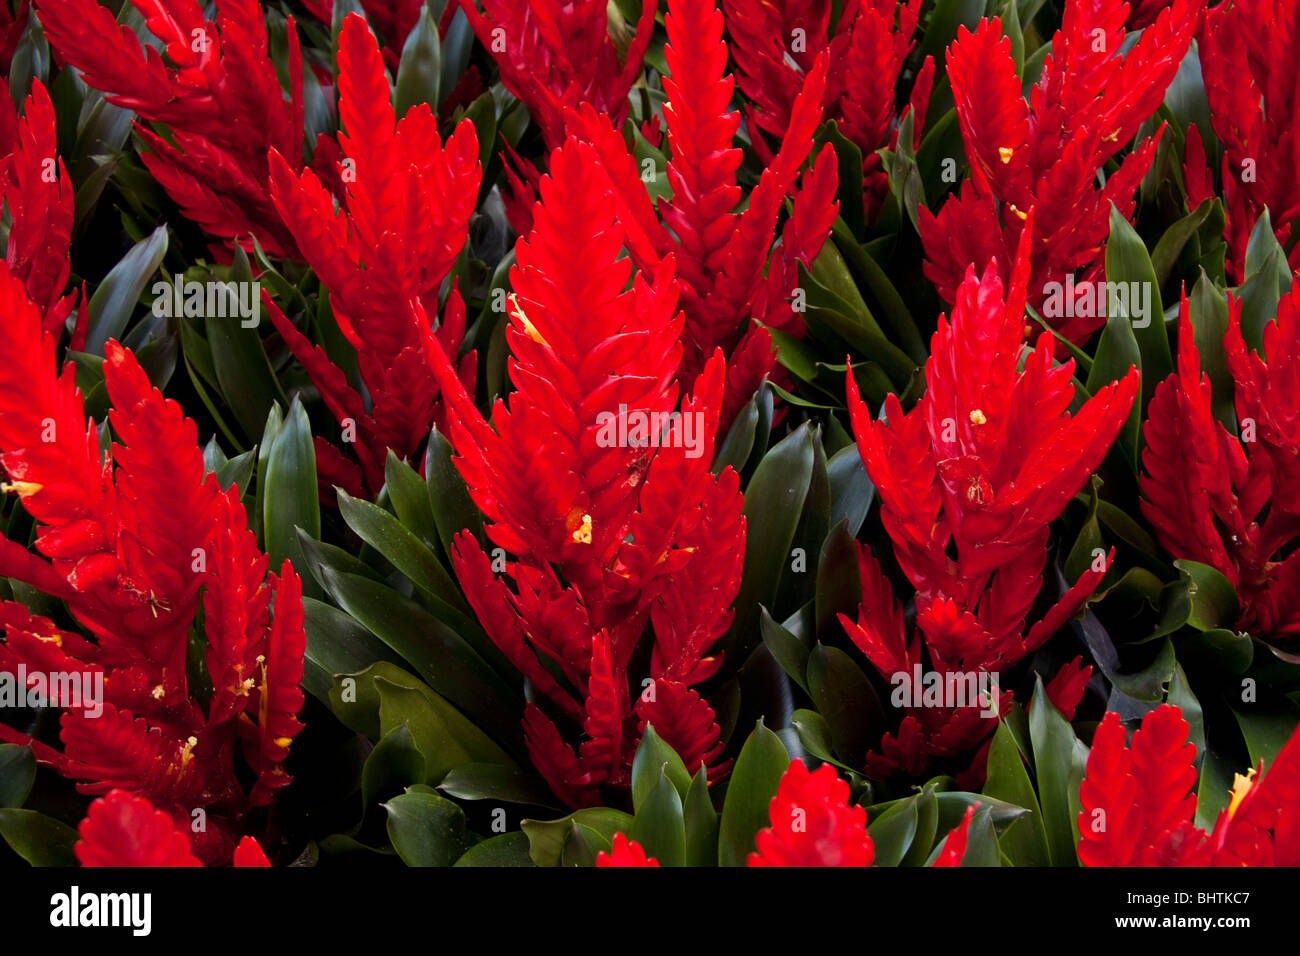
612, 516
728, 268
969, 481
554, 55
38, 192
1138, 802
132, 542
217, 94
1045, 154
408, 198
1253, 102
1231, 501
812, 823
625, 852
775, 44
121, 829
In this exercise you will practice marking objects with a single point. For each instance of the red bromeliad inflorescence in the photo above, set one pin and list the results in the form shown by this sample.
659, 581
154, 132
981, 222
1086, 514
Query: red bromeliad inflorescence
217, 94
1139, 801
736, 280
969, 482
121, 829
776, 44
607, 535
1044, 155
133, 574
557, 54
39, 194
406, 200
1233, 501
1253, 102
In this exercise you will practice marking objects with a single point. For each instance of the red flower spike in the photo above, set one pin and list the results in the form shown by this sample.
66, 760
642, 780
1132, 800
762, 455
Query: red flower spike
1253, 111
969, 482
1138, 802
249, 853
1044, 154
632, 522
1227, 501
555, 56
131, 575
125, 830
625, 852
812, 823
728, 269
217, 94
775, 44
39, 194
407, 200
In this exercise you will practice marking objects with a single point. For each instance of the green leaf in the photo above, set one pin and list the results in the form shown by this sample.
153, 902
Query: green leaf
418, 73
773, 505
449, 665
851, 489
1170, 245
762, 761
290, 498
507, 849
839, 588
383, 532
653, 758
492, 781
336, 644
394, 764
38, 839
243, 371
701, 823
453, 509
1127, 262
847, 701
426, 829
1209, 313
1024, 841
1211, 596
443, 736
1053, 742
786, 649
410, 497
659, 825
893, 830
849, 160
111, 306
546, 838
1266, 731
17, 774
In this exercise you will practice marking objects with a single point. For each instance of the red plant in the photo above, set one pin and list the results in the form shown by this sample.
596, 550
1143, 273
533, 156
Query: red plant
217, 94
611, 528
625, 852
1139, 801
1045, 154
775, 44
1231, 501
728, 269
812, 823
555, 55
1253, 103
408, 198
38, 192
969, 481
125, 830
131, 574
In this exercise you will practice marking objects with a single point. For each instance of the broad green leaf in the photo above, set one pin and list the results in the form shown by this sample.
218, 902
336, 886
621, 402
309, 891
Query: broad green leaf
418, 73
17, 774
1024, 841
115, 299
1053, 742
762, 762
653, 758
846, 700
290, 499
701, 823
426, 829
507, 849
38, 839
659, 825
546, 838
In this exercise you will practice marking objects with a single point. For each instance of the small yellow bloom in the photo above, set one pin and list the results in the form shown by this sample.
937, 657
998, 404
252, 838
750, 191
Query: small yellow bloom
1005, 153
977, 417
